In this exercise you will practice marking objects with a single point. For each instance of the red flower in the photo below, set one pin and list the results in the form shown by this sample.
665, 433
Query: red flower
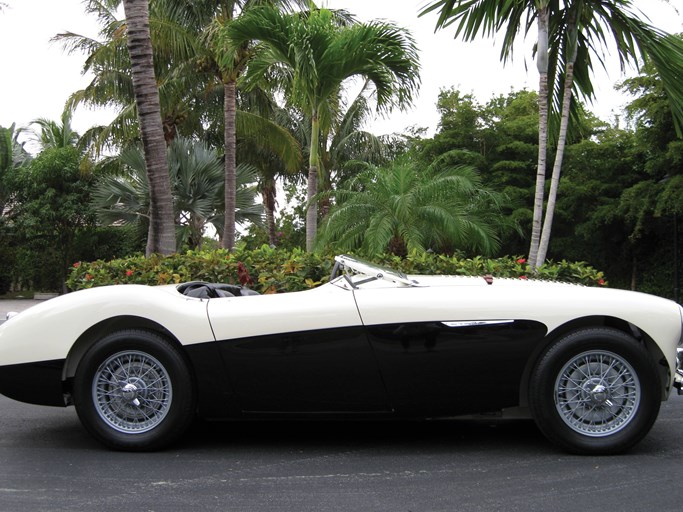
523, 277
521, 261
88, 277
601, 282
243, 274
129, 273
77, 264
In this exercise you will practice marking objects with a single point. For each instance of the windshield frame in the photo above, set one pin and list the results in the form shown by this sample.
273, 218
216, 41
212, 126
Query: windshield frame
353, 266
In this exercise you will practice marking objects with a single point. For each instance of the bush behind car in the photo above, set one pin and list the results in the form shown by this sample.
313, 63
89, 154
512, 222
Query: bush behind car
272, 270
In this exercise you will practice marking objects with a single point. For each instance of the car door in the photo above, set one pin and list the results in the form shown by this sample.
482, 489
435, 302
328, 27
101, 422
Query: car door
301, 352
442, 351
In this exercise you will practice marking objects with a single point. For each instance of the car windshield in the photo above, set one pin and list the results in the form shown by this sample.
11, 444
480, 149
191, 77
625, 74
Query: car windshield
367, 271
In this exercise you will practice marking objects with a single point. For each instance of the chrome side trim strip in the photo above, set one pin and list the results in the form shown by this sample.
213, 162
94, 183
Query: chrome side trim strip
476, 323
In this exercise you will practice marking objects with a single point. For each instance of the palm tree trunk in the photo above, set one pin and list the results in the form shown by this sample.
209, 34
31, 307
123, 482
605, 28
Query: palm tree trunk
312, 212
161, 235
542, 63
230, 137
268, 194
562, 139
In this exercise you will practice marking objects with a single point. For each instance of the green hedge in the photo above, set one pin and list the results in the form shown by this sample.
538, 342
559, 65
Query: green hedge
268, 270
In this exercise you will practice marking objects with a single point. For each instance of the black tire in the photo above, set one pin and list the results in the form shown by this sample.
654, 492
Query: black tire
133, 391
595, 391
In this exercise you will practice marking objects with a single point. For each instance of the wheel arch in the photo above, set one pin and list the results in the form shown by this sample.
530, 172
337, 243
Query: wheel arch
597, 321
97, 331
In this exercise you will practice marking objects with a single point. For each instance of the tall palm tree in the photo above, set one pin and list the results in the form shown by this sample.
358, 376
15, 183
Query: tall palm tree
228, 67
487, 17
180, 79
191, 81
403, 208
583, 26
313, 53
161, 234
569, 34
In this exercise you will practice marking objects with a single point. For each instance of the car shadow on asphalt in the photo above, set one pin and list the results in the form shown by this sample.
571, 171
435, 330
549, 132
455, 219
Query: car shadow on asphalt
395, 435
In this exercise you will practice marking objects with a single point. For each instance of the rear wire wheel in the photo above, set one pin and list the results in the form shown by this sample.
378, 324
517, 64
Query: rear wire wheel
133, 391
595, 391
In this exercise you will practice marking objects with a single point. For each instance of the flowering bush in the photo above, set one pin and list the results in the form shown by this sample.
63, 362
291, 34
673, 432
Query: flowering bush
269, 270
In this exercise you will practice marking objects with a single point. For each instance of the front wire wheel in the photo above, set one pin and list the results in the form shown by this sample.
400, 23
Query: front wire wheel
595, 391
134, 391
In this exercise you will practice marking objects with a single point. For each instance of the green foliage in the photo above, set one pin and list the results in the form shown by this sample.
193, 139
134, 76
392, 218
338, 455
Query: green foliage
406, 207
271, 270
268, 270
197, 182
500, 139
51, 211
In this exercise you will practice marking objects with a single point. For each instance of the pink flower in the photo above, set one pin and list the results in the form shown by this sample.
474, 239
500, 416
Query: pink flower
521, 261
77, 264
601, 282
523, 277
129, 273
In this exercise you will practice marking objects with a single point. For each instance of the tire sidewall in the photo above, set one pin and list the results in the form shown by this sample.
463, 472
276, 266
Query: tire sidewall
181, 409
544, 378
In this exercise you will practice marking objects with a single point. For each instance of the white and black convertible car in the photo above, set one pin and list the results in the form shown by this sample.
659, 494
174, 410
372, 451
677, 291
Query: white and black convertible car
590, 366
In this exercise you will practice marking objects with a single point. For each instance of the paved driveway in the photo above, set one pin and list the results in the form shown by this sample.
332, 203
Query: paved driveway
16, 305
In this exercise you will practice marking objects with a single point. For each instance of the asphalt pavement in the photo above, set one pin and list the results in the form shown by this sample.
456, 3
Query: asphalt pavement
49, 462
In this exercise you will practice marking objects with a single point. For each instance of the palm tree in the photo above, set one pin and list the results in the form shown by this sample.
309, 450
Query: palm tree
403, 209
577, 31
55, 134
312, 54
582, 26
161, 234
197, 186
345, 145
489, 17
192, 83
179, 79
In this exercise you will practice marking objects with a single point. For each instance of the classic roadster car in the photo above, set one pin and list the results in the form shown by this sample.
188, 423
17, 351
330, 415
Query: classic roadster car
590, 366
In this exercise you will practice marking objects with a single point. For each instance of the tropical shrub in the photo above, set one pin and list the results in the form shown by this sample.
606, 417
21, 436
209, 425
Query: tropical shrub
269, 270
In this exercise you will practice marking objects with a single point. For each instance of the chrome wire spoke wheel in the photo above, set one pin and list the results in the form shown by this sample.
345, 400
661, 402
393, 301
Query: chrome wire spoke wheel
132, 392
597, 393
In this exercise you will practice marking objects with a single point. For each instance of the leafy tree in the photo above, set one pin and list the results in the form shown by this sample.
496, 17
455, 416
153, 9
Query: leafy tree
52, 198
13, 156
405, 208
197, 188
653, 205
312, 53
500, 139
